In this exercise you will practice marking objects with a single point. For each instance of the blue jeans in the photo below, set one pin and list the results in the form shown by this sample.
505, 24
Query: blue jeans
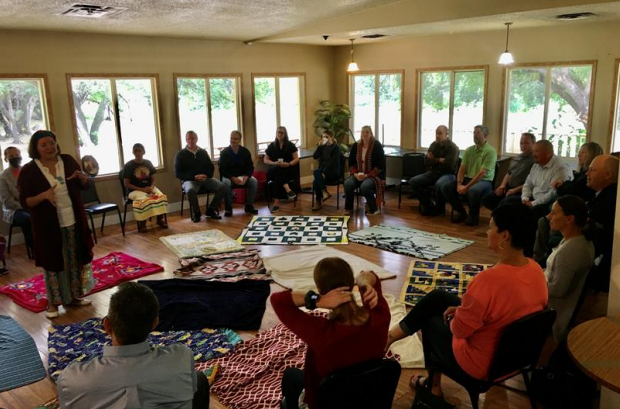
250, 194
421, 182
191, 188
474, 196
367, 189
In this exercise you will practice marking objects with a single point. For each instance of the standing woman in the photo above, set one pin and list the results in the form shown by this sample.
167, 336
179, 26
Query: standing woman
281, 156
367, 164
49, 187
328, 154
148, 201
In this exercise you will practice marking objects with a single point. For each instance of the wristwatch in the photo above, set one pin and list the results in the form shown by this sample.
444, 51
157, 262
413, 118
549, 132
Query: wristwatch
310, 300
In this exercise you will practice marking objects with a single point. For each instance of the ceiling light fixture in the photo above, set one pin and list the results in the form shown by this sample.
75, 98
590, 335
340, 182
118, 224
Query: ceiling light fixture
506, 57
352, 65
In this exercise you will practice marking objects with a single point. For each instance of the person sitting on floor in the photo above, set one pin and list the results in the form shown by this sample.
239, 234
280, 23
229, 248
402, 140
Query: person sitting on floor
569, 263
464, 333
328, 154
148, 200
281, 156
351, 335
236, 169
12, 211
441, 160
132, 374
474, 180
367, 166
520, 167
194, 167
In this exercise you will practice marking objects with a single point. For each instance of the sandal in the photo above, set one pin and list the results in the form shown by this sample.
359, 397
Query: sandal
79, 302
52, 314
418, 381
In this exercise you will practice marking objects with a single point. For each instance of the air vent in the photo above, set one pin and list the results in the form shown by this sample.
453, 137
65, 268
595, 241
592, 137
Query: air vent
575, 16
374, 36
90, 11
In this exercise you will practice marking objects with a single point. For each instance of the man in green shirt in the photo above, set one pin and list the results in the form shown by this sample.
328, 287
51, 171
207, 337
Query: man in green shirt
474, 180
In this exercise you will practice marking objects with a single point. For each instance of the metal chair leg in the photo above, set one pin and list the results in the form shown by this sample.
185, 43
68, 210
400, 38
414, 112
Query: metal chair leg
338, 197
8, 250
400, 192
122, 222
103, 221
92, 225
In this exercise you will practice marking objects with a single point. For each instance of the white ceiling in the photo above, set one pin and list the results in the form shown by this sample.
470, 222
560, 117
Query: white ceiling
298, 21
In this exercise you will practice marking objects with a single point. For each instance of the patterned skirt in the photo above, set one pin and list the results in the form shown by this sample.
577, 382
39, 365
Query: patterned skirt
75, 280
145, 206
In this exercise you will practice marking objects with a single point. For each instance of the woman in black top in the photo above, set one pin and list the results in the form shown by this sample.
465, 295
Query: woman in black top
281, 155
328, 154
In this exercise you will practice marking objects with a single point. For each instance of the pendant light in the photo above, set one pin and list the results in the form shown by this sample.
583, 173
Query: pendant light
506, 57
352, 65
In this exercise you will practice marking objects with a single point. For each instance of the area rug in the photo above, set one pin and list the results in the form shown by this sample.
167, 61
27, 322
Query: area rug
410, 242
227, 267
426, 276
295, 269
20, 361
85, 340
52, 404
298, 230
200, 243
108, 271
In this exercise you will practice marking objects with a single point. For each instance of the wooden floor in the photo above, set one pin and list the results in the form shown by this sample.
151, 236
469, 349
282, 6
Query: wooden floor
148, 247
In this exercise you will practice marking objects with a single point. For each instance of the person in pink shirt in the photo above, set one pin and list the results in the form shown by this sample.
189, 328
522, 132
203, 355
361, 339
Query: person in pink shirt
463, 333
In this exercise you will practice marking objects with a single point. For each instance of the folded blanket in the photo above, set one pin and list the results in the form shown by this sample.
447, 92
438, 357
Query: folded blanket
229, 267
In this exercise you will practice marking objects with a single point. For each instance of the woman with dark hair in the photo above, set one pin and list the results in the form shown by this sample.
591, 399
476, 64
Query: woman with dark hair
464, 333
148, 200
569, 263
281, 156
328, 154
49, 188
367, 163
351, 334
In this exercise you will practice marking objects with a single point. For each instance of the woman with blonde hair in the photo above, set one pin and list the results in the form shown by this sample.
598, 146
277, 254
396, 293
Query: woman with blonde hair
367, 166
351, 333
328, 154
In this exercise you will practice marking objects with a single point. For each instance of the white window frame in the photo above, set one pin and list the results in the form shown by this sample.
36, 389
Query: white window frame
614, 117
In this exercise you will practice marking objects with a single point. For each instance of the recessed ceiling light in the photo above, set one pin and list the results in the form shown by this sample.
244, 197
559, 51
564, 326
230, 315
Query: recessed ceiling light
91, 11
575, 16
374, 36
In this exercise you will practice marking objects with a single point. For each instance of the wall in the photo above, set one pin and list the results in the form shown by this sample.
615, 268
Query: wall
59, 53
585, 41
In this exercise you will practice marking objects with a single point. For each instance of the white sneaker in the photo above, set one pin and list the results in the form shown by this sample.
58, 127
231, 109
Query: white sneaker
375, 213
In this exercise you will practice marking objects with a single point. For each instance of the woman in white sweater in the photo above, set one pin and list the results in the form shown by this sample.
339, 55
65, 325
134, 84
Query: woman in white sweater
569, 263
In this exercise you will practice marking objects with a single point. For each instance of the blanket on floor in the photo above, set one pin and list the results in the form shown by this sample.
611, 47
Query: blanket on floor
228, 267
410, 242
299, 230
20, 361
200, 243
108, 271
85, 340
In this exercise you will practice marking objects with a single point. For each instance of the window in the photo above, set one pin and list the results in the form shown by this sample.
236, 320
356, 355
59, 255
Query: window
376, 100
552, 101
452, 97
210, 106
23, 110
278, 101
111, 115
615, 124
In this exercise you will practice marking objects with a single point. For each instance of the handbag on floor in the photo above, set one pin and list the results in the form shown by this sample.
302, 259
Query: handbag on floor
424, 399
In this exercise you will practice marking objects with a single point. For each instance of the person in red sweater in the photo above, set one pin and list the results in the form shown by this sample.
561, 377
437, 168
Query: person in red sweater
351, 334
464, 333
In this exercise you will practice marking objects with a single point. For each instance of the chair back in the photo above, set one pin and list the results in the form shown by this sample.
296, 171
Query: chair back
459, 160
370, 384
90, 195
584, 290
495, 174
413, 165
121, 178
521, 344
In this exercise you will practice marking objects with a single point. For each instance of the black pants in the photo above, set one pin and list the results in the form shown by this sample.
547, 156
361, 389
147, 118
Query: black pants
201, 397
427, 316
280, 177
21, 218
292, 385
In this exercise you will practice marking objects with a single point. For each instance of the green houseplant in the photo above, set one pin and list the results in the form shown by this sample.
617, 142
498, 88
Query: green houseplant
334, 117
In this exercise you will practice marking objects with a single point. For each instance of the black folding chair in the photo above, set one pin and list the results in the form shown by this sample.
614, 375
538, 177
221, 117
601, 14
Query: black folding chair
414, 164
337, 182
90, 196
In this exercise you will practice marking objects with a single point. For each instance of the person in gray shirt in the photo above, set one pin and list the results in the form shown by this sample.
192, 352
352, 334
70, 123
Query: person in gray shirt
520, 167
131, 374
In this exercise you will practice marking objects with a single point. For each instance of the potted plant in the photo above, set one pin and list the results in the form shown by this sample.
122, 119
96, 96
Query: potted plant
334, 117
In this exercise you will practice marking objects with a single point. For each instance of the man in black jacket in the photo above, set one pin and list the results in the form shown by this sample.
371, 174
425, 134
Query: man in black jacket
194, 167
236, 168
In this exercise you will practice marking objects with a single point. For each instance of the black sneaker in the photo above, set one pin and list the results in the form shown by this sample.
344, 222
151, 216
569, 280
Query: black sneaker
250, 209
213, 214
228, 213
460, 216
291, 195
196, 218
275, 209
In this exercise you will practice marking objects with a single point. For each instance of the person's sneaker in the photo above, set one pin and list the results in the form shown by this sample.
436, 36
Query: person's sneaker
326, 194
196, 218
228, 213
213, 214
291, 195
460, 216
275, 209
250, 209
317, 206
161, 222
348, 212
375, 213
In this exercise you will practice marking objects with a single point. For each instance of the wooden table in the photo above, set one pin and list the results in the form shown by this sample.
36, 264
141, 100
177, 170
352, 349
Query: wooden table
595, 348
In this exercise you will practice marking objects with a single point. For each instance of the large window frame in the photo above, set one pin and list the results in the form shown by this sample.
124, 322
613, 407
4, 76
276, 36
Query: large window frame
549, 66
614, 114
154, 78
375, 125
238, 78
45, 99
261, 146
452, 70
